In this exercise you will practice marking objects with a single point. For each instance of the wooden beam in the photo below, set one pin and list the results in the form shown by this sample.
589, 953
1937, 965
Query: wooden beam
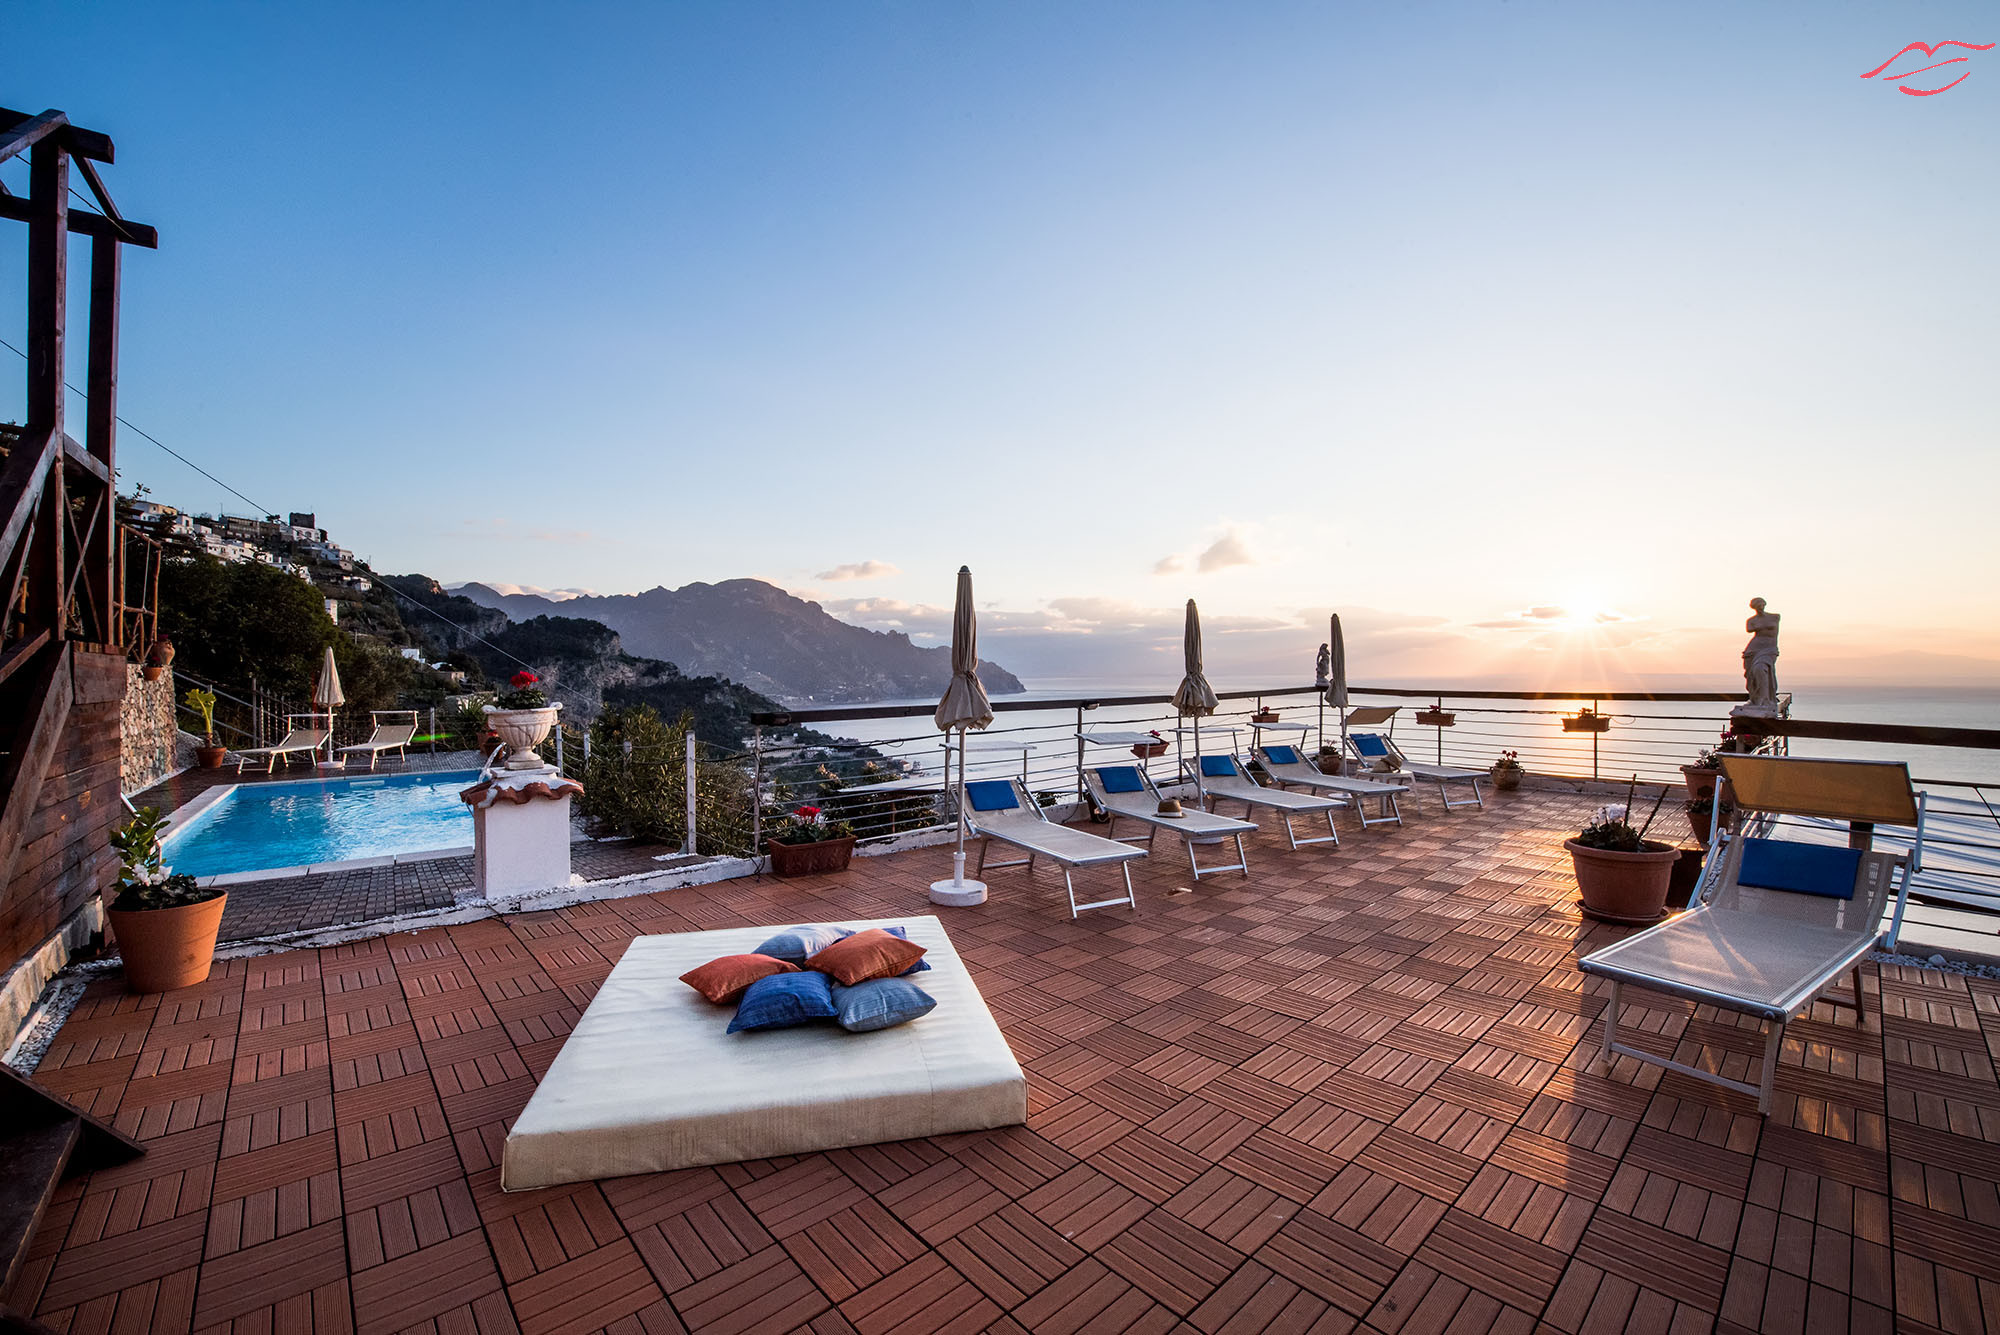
11, 661
84, 143
76, 456
21, 481
31, 750
89, 224
27, 131
100, 432
1886, 734
48, 282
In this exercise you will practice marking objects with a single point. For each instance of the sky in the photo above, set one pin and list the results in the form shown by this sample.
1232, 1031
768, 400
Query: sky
1533, 338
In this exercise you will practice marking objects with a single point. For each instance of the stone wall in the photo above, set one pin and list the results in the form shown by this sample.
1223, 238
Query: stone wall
150, 737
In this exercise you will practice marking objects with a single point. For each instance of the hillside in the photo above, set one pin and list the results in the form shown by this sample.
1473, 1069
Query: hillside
581, 662
757, 634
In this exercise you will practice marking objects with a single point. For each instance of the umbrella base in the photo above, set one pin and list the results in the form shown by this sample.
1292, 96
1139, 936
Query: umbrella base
958, 894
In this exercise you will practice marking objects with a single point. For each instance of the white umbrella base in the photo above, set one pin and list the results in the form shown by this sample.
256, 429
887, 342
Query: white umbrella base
958, 894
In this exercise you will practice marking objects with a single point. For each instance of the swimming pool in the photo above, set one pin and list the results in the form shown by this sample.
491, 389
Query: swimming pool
266, 826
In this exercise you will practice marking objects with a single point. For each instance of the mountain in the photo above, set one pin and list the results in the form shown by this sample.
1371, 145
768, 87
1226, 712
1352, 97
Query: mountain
757, 634
581, 663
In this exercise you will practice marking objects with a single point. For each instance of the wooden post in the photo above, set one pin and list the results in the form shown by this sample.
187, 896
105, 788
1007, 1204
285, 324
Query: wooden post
48, 282
101, 424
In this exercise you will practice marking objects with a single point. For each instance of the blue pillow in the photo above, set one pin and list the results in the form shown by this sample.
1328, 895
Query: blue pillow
1121, 779
1805, 869
900, 933
880, 1003
1280, 755
991, 795
795, 943
1218, 767
784, 1000
1368, 744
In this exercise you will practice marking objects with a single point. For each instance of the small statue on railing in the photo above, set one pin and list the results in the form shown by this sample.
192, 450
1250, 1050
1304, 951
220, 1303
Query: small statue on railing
1760, 660
1324, 667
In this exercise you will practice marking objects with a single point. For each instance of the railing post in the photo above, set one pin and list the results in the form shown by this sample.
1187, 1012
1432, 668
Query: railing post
433, 729
1079, 753
687, 845
1594, 734
756, 788
559, 748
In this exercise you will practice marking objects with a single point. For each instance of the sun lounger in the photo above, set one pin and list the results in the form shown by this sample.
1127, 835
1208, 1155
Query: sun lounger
387, 736
1776, 920
1127, 793
297, 741
1379, 755
1288, 766
1223, 779
1004, 810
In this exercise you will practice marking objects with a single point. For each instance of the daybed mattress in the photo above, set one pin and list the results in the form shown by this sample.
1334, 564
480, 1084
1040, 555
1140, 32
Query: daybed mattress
649, 1081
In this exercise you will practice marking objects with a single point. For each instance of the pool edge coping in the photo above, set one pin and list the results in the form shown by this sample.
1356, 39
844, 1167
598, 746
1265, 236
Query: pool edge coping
229, 878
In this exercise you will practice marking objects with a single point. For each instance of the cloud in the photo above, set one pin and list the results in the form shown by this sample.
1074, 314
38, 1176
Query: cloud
858, 570
1226, 551
1548, 616
553, 595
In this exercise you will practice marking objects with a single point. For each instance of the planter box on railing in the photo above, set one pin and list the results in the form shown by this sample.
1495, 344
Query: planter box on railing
828, 855
1437, 718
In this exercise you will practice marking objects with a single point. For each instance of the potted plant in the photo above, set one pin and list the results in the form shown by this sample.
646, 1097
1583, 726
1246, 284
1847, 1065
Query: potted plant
522, 716
803, 842
1506, 772
158, 658
1149, 750
1264, 715
1706, 772
1620, 874
1586, 720
202, 702
1437, 718
164, 922
1701, 814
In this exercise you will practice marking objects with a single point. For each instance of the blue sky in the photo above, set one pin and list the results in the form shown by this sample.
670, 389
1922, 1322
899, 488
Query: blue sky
1433, 313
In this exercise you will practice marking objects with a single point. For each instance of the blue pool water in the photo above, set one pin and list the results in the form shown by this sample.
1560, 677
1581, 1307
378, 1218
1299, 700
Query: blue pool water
261, 826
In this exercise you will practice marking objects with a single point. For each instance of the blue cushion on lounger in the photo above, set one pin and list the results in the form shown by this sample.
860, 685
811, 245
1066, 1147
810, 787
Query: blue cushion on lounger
1282, 755
795, 943
1121, 779
1804, 869
901, 933
785, 1000
880, 1003
1368, 744
991, 795
1218, 767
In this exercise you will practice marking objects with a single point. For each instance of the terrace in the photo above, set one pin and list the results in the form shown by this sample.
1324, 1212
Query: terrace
1354, 1090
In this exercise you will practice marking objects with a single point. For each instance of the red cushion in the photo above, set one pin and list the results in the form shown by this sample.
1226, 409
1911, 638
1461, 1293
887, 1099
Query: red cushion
725, 980
870, 954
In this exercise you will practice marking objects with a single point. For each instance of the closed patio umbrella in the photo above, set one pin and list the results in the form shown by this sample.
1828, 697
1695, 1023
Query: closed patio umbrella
1194, 697
1336, 685
964, 706
327, 695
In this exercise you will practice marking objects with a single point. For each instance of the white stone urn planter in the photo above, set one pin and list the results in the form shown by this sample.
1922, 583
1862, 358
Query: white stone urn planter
522, 730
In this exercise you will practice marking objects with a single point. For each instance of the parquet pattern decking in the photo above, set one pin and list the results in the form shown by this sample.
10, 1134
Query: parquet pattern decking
1354, 1091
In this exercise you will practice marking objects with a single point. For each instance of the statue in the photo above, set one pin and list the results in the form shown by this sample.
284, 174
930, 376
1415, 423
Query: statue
1760, 660
1323, 667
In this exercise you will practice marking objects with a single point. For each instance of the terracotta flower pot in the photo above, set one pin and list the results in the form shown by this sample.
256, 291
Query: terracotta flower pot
1265, 716
1506, 778
1437, 718
168, 948
1700, 782
210, 757
158, 659
1624, 887
1150, 750
828, 855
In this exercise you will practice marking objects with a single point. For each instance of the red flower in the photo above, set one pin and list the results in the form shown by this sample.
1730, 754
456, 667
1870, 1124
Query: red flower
523, 679
807, 813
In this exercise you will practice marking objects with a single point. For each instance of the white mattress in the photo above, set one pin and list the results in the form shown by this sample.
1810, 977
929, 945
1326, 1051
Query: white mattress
649, 1081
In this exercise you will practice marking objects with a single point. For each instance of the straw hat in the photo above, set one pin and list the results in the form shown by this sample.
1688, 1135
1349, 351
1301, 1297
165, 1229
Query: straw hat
1171, 806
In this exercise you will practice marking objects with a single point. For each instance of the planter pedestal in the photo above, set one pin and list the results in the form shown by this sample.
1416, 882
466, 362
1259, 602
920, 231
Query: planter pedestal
520, 831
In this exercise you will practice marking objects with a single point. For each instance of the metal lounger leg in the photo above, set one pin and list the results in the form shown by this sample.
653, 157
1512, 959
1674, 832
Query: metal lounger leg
1243, 859
1610, 1025
1290, 838
1860, 998
1773, 1040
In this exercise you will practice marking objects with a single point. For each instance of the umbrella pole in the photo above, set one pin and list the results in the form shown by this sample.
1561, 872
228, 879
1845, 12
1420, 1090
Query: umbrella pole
958, 858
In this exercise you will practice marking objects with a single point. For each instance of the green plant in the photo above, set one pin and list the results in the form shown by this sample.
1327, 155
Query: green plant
203, 703
1611, 827
804, 825
1508, 760
143, 883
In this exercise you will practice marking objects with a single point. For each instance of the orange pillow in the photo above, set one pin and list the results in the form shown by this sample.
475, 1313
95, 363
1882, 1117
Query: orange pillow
724, 981
870, 954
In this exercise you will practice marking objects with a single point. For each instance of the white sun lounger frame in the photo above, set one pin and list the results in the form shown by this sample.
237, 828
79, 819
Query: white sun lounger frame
1441, 775
1143, 806
296, 741
1729, 919
1238, 786
1027, 827
378, 743
1356, 791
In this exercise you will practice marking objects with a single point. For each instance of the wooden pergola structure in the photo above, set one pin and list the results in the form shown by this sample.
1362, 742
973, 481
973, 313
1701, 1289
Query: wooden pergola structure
62, 661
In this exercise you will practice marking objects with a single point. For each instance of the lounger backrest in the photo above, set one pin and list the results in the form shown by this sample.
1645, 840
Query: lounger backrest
1278, 755
301, 738
393, 734
992, 795
1220, 767
1119, 779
